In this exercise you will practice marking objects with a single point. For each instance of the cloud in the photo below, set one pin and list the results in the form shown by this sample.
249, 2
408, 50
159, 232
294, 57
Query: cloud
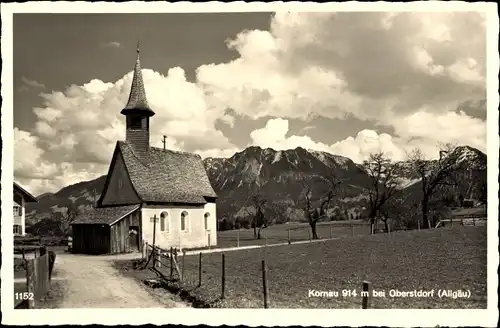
32, 83
372, 65
112, 44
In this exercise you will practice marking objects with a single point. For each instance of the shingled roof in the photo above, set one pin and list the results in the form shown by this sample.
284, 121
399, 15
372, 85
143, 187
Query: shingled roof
167, 176
104, 215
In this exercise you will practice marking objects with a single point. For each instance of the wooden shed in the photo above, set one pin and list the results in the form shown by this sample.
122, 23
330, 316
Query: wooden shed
107, 230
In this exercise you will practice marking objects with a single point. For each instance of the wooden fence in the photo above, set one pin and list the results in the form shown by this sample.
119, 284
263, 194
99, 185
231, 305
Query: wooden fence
38, 274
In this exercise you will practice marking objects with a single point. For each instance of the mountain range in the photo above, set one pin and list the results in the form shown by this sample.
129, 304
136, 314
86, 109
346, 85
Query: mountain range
278, 177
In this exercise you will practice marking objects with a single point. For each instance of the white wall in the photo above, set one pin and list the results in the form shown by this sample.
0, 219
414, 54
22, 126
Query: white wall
20, 220
196, 234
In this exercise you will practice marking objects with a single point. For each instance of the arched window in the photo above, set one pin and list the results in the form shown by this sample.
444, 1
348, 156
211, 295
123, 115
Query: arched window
207, 215
164, 226
184, 221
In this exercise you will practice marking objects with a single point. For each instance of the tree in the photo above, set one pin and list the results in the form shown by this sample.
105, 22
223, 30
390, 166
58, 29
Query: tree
314, 211
261, 219
384, 184
67, 218
433, 174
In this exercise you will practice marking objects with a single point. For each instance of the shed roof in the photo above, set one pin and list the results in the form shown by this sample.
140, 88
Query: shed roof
163, 175
104, 215
29, 198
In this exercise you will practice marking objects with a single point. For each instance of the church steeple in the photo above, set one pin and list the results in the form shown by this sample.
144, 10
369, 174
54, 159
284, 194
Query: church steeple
138, 112
137, 100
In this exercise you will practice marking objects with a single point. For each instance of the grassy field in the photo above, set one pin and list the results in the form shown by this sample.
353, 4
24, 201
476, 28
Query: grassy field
406, 260
277, 234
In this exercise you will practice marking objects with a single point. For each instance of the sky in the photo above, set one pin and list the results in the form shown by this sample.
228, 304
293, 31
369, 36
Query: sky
346, 83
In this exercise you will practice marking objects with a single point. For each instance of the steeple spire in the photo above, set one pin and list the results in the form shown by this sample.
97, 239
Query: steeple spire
137, 101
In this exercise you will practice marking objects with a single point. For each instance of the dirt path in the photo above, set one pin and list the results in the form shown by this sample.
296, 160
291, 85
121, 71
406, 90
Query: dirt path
92, 282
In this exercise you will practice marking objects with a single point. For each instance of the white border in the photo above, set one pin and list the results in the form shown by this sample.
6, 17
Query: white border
422, 318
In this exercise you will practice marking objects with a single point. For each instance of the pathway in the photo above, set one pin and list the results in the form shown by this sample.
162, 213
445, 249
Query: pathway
92, 282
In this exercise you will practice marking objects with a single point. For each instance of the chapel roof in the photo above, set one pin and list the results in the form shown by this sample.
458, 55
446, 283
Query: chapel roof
104, 215
167, 176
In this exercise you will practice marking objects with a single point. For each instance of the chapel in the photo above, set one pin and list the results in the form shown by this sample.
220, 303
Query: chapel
148, 188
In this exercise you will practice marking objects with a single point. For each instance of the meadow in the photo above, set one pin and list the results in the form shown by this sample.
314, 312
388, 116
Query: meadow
448, 259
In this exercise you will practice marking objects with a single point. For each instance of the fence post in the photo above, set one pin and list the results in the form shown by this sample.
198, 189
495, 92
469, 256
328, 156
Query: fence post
309, 232
289, 238
367, 289
418, 225
171, 263
30, 282
199, 271
265, 237
183, 257
153, 255
331, 232
238, 238
388, 228
158, 257
352, 229
223, 275
264, 284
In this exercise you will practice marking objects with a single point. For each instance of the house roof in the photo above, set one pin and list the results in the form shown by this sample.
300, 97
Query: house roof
104, 215
29, 198
163, 175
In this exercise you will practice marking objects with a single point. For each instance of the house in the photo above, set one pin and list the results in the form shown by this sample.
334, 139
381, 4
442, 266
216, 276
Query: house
144, 183
21, 197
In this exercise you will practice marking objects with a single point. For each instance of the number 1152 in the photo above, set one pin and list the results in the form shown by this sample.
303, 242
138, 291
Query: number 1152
24, 296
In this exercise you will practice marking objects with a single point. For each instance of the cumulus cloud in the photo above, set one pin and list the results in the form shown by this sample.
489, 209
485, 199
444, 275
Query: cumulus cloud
410, 71
373, 65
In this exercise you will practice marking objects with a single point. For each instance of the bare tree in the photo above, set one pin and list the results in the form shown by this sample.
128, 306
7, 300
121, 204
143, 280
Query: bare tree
261, 218
67, 218
433, 174
260, 211
314, 211
384, 184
